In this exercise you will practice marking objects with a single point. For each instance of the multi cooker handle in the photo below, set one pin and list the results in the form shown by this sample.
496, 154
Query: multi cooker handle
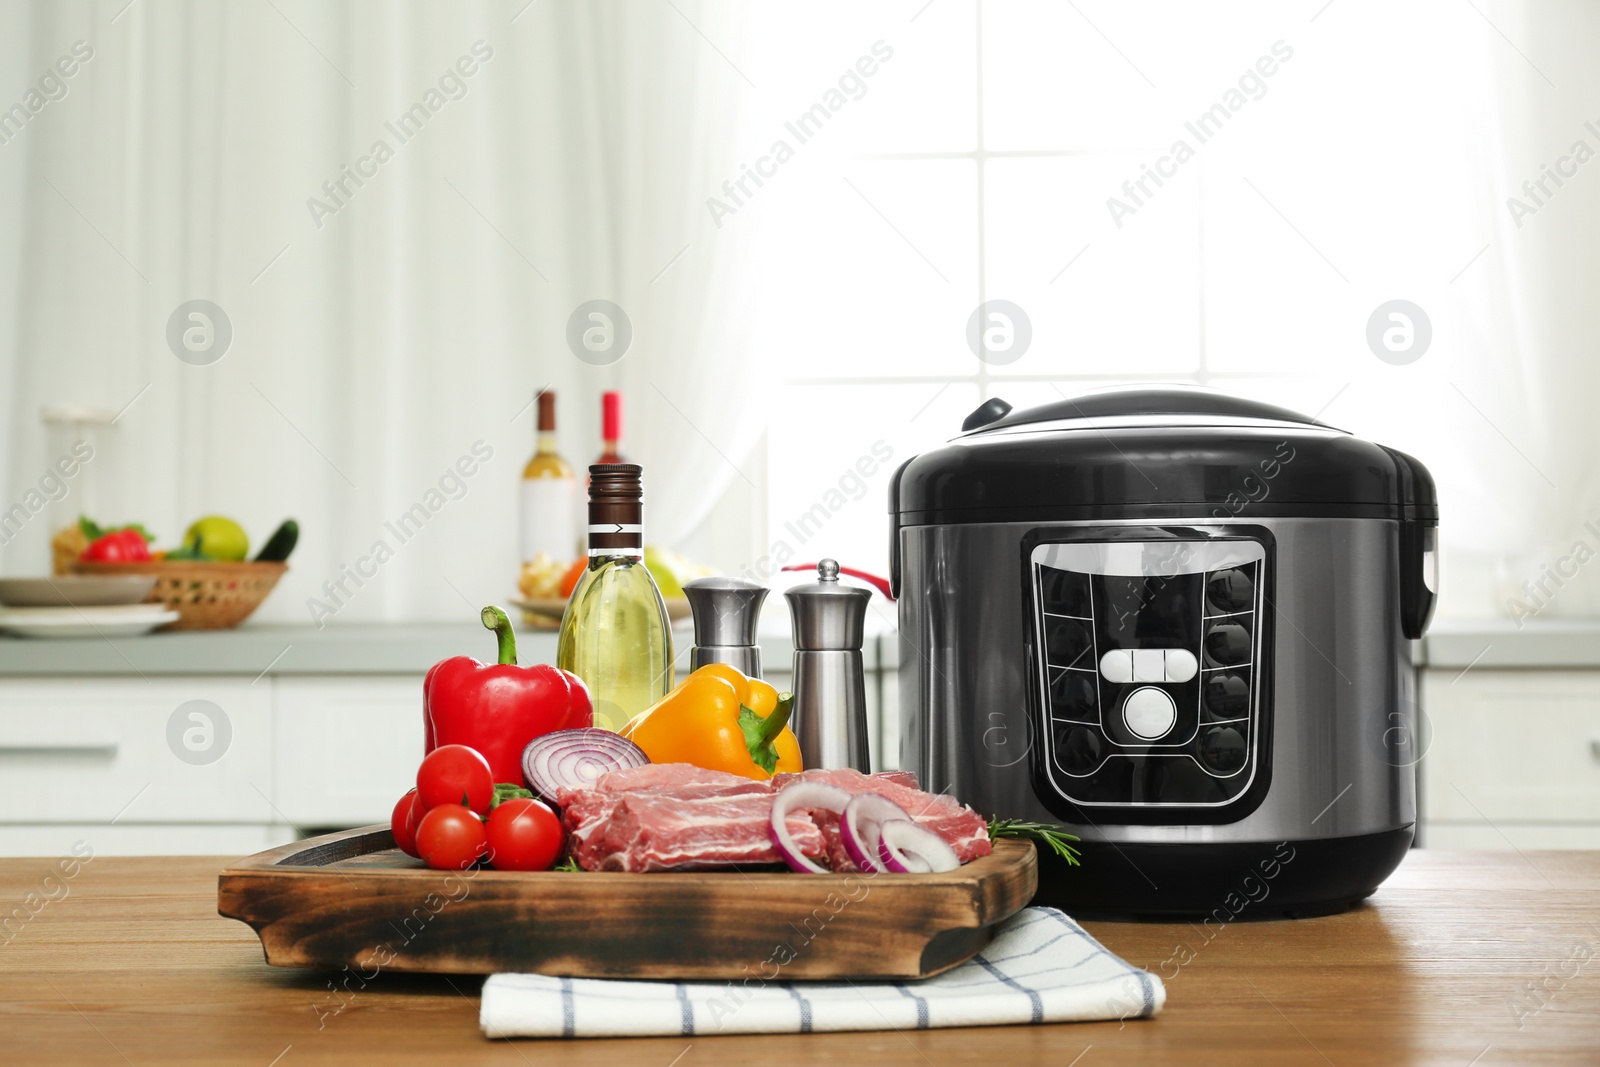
996, 414
989, 411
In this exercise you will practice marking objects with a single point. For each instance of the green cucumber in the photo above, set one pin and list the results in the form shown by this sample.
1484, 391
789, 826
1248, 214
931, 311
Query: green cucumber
280, 544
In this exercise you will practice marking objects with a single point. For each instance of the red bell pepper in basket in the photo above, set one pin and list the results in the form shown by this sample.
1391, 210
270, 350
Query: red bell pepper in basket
497, 708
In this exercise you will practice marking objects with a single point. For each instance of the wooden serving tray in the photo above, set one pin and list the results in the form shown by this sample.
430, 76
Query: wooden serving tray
352, 898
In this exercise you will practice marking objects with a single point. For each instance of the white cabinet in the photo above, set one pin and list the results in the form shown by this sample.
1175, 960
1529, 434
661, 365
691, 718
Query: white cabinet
1514, 759
98, 750
344, 749
200, 764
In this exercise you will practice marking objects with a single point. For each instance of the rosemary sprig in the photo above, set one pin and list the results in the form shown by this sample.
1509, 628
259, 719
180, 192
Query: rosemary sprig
568, 864
1047, 833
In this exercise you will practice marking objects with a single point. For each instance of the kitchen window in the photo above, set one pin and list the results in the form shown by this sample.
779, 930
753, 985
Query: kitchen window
1015, 151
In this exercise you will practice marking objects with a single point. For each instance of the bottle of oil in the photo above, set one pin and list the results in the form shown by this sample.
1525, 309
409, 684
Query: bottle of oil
615, 634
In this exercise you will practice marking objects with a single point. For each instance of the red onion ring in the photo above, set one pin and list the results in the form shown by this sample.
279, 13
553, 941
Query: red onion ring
860, 828
574, 759
907, 848
813, 795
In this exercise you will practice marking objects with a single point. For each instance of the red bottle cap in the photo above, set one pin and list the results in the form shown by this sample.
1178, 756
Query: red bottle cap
611, 416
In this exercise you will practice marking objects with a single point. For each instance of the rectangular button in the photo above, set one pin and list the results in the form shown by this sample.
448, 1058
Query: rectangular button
1149, 665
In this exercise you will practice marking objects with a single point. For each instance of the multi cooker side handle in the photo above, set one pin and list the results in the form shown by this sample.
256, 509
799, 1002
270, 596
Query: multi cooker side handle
1418, 557
894, 529
1419, 531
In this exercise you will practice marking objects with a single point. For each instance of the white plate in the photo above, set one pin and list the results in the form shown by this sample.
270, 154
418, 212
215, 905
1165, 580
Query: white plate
73, 589
126, 620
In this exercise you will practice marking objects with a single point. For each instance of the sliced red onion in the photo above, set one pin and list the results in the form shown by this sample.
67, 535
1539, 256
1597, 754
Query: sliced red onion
574, 759
813, 795
907, 848
860, 826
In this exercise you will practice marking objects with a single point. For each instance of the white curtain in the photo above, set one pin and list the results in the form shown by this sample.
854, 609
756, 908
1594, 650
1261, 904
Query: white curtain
1547, 380
372, 351
378, 335
1508, 419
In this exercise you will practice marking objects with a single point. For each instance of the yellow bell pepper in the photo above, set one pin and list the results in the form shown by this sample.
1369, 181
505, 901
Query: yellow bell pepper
720, 720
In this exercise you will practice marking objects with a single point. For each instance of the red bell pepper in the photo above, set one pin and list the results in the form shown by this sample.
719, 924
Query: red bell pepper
497, 708
127, 545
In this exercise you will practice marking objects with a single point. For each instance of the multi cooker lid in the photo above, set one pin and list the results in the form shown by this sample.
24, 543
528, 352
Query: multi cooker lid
1156, 453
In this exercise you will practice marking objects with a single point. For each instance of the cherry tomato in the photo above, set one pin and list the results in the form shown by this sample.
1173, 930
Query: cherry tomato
524, 835
455, 774
451, 838
417, 812
403, 824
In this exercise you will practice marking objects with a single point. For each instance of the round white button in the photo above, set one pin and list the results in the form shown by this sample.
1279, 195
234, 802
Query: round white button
1181, 665
1117, 665
1149, 713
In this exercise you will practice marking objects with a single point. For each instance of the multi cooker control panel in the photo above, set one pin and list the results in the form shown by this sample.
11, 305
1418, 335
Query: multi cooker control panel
1148, 655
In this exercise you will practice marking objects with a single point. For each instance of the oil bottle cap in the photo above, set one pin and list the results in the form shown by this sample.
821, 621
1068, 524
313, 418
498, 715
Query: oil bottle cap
616, 509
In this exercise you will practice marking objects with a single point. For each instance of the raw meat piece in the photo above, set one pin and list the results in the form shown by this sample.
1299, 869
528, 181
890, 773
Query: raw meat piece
961, 828
646, 831
584, 811
674, 816
682, 779
905, 778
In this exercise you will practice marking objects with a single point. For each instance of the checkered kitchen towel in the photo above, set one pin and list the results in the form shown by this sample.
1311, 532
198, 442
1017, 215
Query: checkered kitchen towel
1041, 968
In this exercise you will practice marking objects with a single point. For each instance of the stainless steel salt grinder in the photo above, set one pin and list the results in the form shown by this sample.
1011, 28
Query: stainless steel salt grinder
830, 695
726, 611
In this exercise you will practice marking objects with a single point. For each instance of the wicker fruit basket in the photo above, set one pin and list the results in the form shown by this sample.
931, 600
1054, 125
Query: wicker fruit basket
206, 595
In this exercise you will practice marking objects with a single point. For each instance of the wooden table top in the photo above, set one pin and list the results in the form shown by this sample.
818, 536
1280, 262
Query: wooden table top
1461, 958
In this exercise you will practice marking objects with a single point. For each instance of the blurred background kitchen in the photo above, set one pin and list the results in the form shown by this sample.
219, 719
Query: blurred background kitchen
275, 259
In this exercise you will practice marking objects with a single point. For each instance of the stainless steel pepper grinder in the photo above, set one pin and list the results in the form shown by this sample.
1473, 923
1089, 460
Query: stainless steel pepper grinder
726, 611
830, 694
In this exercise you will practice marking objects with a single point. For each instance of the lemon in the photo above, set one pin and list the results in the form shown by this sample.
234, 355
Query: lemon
218, 538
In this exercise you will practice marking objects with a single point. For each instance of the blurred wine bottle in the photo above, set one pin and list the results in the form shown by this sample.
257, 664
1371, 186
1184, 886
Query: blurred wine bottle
549, 508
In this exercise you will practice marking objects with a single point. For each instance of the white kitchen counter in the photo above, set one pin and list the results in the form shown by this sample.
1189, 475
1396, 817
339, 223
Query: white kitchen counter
350, 649
398, 648
1539, 643
411, 648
